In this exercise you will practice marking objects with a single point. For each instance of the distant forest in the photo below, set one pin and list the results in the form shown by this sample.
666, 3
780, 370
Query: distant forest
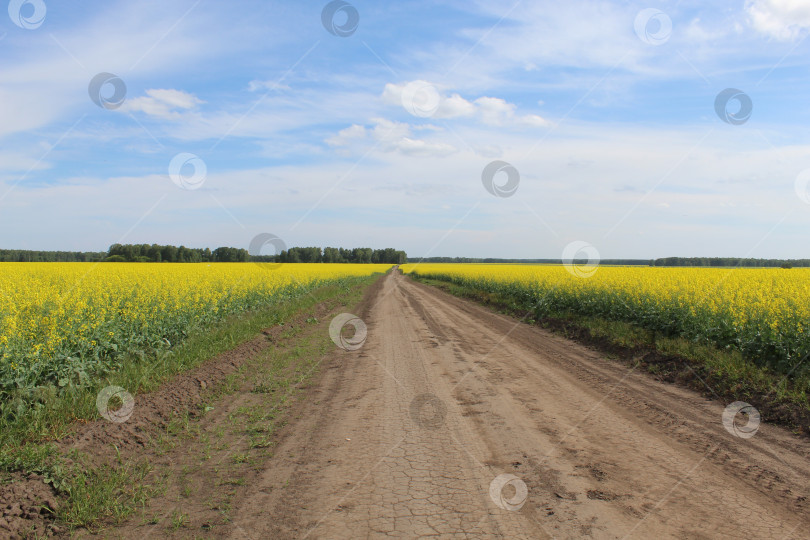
20, 255
731, 261
182, 254
667, 261
340, 255
157, 253
630, 262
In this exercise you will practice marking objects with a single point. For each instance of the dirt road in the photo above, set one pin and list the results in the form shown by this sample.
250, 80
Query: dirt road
405, 436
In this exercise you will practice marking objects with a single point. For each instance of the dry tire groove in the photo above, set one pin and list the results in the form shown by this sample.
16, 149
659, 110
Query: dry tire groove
403, 438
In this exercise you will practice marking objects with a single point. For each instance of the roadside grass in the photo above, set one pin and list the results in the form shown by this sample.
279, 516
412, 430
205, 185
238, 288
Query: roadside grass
723, 374
232, 448
287, 370
113, 492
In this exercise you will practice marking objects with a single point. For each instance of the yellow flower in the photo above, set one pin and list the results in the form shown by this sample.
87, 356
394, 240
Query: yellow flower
753, 302
51, 309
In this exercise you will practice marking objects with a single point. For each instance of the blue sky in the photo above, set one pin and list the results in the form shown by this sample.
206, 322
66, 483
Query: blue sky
379, 138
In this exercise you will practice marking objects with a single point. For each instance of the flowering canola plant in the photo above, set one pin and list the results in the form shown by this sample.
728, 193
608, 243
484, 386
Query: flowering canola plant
61, 323
762, 312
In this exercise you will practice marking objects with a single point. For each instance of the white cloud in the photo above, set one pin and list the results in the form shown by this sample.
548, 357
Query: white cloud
396, 137
495, 111
499, 112
532, 120
431, 101
426, 98
784, 20
455, 106
347, 136
162, 103
391, 136
417, 147
387, 130
593, 42
534, 36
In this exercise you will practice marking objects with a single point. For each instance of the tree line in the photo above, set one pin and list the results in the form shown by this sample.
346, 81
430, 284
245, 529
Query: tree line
23, 255
665, 261
156, 253
623, 262
731, 261
174, 254
182, 254
167, 253
340, 255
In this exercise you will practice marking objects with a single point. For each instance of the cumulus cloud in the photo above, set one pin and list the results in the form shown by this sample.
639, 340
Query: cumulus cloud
424, 99
346, 136
455, 106
494, 111
162, 103
499, 112
388, 131
391, 137
784, 20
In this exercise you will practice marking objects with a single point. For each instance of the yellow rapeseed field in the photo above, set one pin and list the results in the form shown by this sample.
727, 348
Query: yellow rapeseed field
762, 312
60, 323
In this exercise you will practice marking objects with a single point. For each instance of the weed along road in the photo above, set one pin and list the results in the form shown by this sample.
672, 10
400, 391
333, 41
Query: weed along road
452, 421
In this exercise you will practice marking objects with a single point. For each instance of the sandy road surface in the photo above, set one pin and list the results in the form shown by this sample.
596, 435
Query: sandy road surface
404, 437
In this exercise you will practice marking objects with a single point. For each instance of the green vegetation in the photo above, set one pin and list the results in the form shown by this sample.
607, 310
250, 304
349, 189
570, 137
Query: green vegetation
22, 255
340, 255
731, 262
618, 262
157, 253
183, 254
